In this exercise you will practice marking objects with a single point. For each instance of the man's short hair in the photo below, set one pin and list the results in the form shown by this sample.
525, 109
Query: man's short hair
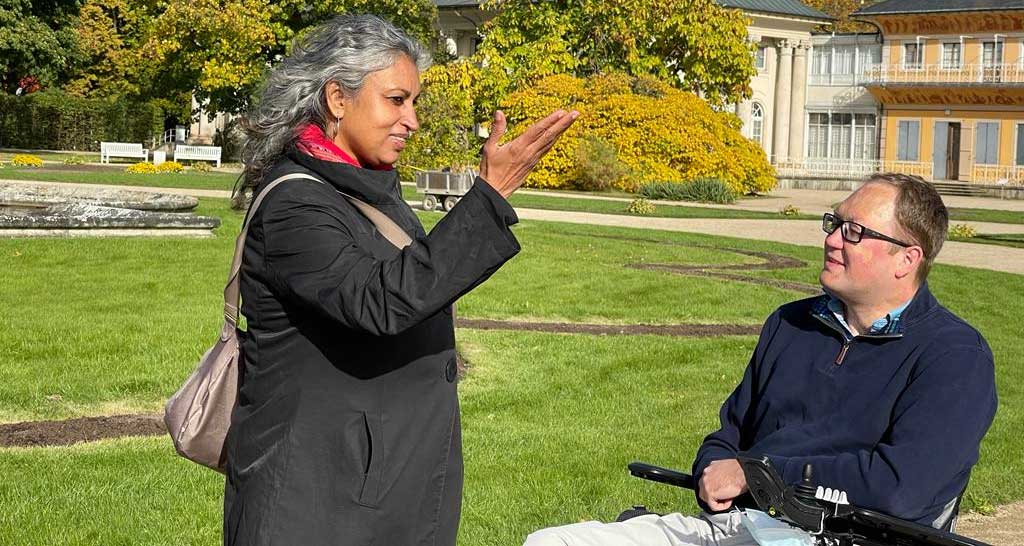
921, 214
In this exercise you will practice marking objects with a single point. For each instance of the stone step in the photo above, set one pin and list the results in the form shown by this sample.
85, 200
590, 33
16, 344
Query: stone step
958, 189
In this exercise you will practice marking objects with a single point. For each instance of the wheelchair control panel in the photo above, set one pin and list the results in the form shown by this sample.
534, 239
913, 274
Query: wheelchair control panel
823, 512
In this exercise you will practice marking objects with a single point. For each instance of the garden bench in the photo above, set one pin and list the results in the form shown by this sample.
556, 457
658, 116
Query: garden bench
201, 153
122, 149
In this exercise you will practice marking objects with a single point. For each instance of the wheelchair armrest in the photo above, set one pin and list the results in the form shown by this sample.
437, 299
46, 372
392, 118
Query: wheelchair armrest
662, 475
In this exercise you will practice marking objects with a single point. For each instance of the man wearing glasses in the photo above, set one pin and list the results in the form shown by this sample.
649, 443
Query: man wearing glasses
886, 393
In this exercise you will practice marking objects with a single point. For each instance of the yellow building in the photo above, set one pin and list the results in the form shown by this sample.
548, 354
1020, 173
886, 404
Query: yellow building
950, 88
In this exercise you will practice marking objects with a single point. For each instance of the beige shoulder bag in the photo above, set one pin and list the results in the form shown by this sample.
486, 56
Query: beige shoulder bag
199, 414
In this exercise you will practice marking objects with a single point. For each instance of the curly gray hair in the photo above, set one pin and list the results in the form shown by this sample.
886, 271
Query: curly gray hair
344, 50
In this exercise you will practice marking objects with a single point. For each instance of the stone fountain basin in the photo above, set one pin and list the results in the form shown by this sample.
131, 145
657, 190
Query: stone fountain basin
28, 210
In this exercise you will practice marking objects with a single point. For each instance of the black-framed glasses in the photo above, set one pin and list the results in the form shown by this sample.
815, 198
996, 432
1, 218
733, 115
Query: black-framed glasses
852, 231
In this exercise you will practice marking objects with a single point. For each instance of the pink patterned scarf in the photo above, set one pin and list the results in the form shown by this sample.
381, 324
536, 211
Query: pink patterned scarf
312, 141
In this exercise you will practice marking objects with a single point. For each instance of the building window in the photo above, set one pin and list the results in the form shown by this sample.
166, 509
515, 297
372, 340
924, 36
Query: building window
912, 56
1020, 144
841, 136
817, 135
867, 56
991, 53
821, 65
951, 59
756, 122
986, 143
759, 57
864, 136
907, 141
843, 60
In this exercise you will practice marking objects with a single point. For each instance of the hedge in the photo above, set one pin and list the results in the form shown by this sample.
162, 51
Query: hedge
53, 120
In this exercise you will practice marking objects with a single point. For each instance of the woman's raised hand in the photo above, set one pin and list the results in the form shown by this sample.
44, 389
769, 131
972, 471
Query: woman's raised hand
505, 166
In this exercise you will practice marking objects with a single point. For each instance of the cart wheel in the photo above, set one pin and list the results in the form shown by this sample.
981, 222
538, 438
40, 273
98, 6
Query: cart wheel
429, 202
449, 202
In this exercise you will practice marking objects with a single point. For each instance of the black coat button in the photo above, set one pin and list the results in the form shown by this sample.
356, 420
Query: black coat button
450, 371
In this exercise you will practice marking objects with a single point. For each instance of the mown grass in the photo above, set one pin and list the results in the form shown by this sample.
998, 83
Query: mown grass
554, 200
112, 326
117, 177
986, 215
1013, 240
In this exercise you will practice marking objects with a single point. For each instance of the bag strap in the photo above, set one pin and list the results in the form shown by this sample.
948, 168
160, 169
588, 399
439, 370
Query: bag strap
232, 293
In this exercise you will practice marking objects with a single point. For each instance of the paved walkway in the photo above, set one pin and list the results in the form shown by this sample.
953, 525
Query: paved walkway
798, 232
808, 201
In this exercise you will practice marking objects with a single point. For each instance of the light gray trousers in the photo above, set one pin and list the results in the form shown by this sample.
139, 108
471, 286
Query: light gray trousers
650, 530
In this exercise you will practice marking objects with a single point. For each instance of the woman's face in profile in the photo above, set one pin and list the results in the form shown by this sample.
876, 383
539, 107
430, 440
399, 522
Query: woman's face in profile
376, 121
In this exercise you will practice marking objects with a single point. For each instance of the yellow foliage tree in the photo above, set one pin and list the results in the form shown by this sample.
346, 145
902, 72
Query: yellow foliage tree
663, 134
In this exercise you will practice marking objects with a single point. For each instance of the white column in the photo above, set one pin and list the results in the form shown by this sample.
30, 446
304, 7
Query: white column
783, 89
743, 112
799, 98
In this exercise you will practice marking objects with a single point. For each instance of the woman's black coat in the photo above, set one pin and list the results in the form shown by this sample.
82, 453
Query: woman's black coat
347, 427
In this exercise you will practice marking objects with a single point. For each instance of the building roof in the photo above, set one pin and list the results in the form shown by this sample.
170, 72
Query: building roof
901, 7
794, 8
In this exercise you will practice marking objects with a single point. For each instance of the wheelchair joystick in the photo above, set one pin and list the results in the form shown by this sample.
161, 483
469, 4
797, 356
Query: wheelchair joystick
805, 489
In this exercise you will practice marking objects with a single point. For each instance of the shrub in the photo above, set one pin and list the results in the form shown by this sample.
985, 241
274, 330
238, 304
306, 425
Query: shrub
57, 120
962, 231
707, 190
26, 160
141, 168
74, 160
789, 210
640, 207
200, 167
665, 191
170, 167
598, 166
660, 133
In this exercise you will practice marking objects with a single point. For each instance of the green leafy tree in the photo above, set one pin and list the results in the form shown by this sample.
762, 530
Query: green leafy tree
446, 113
691, 44
35, 41
220, 49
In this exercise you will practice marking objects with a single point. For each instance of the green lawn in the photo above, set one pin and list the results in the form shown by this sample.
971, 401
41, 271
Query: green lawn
554, 200
985, 215
113, 326
1014, 240
116, 176
560, 201
7, 155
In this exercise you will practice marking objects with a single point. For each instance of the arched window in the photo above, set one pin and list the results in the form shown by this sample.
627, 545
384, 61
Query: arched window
756, 122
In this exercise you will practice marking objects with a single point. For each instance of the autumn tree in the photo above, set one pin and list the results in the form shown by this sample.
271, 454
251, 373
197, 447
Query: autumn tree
219, 50
841, 10
109, 61
694, 45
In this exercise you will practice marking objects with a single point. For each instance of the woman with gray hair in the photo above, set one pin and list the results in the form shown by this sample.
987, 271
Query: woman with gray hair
347, 424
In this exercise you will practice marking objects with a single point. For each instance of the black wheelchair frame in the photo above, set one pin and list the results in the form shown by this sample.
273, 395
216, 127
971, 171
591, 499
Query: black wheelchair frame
804, 506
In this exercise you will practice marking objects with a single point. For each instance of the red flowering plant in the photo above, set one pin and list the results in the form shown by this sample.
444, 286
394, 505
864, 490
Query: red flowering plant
29, 84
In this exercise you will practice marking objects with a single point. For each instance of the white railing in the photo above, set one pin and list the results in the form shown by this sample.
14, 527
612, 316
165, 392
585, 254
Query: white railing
861, 168
937, 73
848, 168
998, 174
178, 135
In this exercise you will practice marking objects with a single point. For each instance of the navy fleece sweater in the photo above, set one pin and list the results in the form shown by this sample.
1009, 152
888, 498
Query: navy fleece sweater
894, 420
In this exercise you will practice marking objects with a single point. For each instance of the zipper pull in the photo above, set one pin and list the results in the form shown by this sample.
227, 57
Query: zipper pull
842, 353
